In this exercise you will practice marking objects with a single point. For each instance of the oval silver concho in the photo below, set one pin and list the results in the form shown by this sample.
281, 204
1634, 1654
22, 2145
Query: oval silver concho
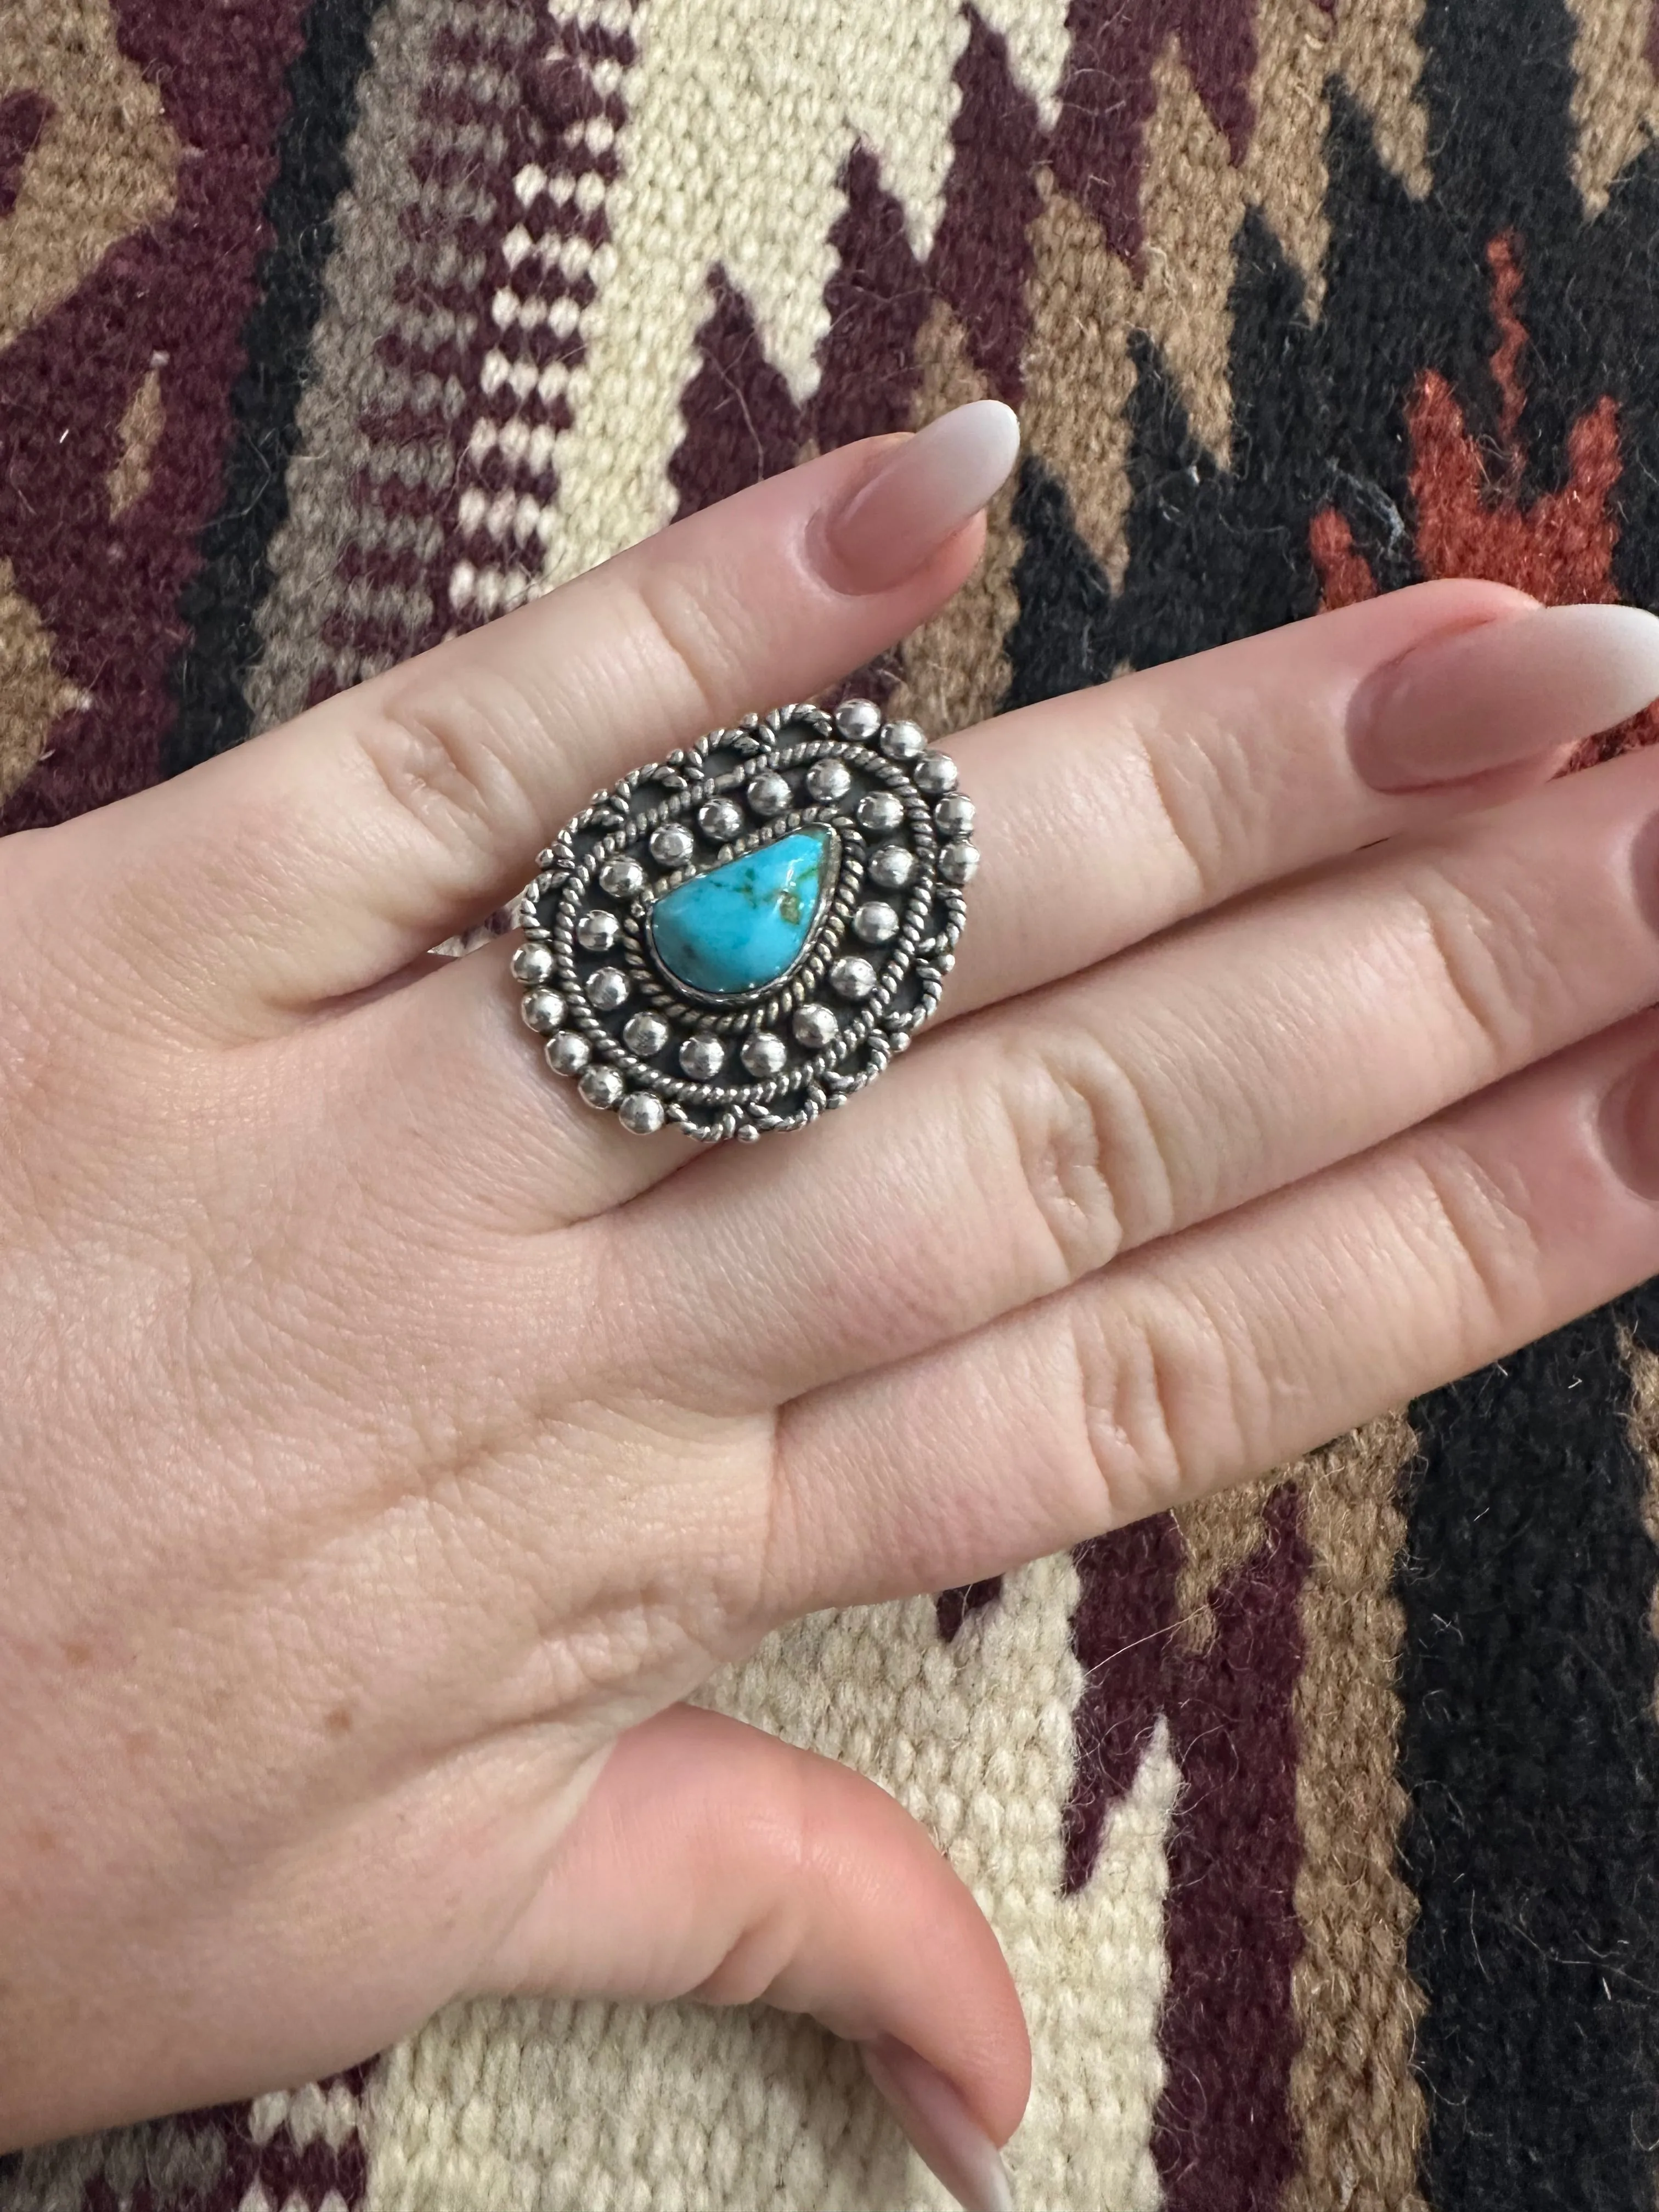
737, 938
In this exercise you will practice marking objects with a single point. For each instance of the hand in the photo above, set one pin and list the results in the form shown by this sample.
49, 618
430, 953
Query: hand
390, 1444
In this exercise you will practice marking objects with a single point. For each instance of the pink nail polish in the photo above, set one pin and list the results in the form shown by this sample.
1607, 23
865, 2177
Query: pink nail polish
1630, 1127
943, 2132
1503, 692
922, 495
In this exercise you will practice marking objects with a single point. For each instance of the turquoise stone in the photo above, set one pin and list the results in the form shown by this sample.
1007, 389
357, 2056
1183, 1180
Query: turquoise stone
745, 924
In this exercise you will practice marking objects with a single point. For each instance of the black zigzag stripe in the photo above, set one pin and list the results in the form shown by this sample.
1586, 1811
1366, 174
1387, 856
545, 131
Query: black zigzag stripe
218, 609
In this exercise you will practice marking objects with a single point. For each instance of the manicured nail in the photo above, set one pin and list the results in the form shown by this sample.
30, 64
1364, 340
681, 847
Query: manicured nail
922, 494
1630, 1127
1501, 693
944, 2133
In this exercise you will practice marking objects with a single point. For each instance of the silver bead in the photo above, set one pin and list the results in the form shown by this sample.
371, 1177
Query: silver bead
957, 863
702, 1056
608, 988
532, 963
954, 815
859, 719
546, 857
598, 930
602, 1087
671, 844
880, 812
568, 1053
622, 877
814, 1025
828, 779
763, 1054
720, 821
876, 922
645, 1034
853, 978
891, 867
641, 1113
935, 773
770, 795
903, 741
543, 1012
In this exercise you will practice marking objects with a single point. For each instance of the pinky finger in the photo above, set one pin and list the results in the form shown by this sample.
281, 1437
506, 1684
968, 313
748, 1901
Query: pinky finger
713, 1860
1208, 1358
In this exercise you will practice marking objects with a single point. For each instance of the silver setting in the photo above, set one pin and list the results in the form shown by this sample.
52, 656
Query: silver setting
891, 867
620, 878
543, 1012
857, 719
763, 1054
598, 929
702, 1055
769, 795
568, 1053
533, 964
828, 779
954, 815
641, 1113
602, 1087
645, 1034
642, 1043
853, 978
880, 812
903, 741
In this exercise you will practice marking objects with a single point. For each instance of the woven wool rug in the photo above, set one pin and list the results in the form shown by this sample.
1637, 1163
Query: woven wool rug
1321, 1822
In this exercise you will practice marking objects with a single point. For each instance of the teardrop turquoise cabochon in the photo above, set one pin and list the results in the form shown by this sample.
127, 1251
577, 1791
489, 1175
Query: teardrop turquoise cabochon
743, 924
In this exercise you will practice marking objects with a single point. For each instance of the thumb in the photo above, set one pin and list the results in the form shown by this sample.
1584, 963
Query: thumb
713, 1860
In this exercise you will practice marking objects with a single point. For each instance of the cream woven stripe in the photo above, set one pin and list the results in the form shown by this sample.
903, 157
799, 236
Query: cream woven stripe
559, 2108
741, 116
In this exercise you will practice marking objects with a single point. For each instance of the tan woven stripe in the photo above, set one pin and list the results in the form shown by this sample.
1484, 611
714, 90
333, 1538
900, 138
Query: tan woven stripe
1086, 303
1615, 101
32, 694
1644, 1367
384, 217
105, 164
955, 670
1219, 1532
139, 432
1358, 2108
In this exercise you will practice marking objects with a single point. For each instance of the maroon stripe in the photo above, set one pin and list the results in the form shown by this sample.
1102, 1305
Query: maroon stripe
1222, 2133
981, 258
23, 115
177, 295
877, 299
741, 424
1098, 147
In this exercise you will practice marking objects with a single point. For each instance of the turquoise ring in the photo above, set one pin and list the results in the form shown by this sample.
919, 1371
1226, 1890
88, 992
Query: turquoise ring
736, 939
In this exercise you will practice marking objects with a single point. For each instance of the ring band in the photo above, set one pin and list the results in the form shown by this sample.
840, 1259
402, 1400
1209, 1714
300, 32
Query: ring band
739, 936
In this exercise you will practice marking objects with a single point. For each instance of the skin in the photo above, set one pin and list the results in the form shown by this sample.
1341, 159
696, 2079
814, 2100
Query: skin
390, 1444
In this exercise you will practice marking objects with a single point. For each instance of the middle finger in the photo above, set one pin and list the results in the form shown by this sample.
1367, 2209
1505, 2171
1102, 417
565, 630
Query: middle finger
1027, 1147
1106, 817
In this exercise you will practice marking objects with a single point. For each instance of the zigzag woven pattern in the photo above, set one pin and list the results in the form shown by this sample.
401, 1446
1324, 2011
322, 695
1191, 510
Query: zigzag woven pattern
1319, 1821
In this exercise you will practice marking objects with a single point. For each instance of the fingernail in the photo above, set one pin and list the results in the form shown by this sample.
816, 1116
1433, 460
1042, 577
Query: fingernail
1630, 1127
922, 494
1502, 693
945, 2135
